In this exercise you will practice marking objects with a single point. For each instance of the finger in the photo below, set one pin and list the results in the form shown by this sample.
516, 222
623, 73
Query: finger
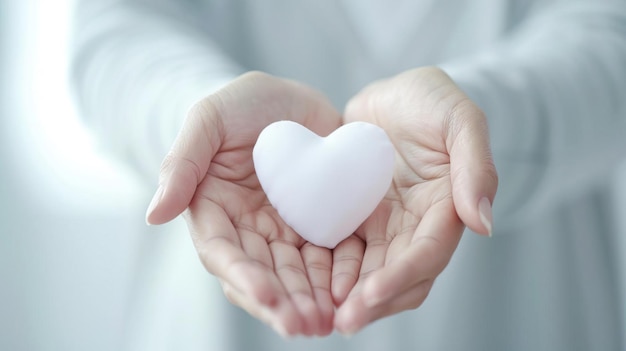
347, 258
373, 260
318, 265
354, 315
473, 174
256, 310
221, 254
255, 246
187, 162
257, 283
290, 270
434, 241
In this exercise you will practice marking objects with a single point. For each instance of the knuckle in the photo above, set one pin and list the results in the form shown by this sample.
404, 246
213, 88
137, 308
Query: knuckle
428, 70
421, 295
207, 106
492, 173
464, 113
256, 75
354, 109
172, 160
166, 165
291, 269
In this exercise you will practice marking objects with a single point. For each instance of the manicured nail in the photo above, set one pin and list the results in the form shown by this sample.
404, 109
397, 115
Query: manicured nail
154, 202
485, 213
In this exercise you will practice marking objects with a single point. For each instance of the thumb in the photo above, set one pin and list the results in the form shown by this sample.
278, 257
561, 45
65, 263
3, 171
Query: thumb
473, 174
187, 163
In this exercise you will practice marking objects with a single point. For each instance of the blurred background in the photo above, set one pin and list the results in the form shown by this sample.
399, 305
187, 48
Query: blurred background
67, 214
71, 219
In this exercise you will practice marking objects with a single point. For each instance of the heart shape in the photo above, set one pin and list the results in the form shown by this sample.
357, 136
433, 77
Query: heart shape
324, 187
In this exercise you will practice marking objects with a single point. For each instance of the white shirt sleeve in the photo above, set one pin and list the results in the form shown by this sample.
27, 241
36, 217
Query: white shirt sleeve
138, 106
554, 96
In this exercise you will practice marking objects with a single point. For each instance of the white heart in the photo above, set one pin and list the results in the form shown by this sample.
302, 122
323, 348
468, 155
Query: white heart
324, 188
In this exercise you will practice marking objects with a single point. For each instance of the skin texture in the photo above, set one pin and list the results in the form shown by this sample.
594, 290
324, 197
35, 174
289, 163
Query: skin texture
443, 169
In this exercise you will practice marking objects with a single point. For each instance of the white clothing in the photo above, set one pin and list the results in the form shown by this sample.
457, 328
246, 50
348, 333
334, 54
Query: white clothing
550, 76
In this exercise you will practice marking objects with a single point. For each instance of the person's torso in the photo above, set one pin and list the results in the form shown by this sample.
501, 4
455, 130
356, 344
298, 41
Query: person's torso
340, 46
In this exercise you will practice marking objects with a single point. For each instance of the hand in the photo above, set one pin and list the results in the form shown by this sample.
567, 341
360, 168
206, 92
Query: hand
263, 265
444, 178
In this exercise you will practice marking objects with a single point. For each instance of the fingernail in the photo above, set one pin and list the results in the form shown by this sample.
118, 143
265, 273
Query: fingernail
485, 213
154, 202
349, 333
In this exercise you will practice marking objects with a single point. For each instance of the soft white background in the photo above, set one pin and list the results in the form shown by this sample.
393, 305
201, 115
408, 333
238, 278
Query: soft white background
67, 214
69, 217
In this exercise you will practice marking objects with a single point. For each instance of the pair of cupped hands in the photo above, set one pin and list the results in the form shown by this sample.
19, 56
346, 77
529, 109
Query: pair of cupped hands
444, 180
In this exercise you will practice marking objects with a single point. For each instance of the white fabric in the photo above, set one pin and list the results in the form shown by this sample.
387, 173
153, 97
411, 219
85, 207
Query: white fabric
550, 76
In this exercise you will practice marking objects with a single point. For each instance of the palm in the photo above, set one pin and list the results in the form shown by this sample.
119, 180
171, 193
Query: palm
280, 268
263, 265
417, 194
412, 234
416, 218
